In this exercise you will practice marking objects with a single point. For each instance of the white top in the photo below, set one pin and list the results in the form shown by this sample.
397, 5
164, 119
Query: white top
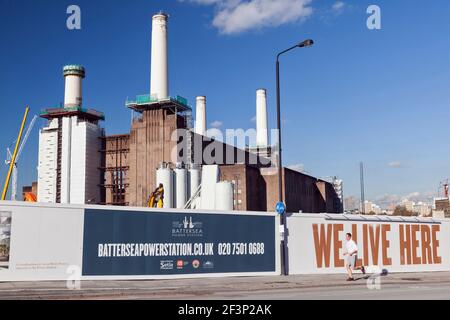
351, 247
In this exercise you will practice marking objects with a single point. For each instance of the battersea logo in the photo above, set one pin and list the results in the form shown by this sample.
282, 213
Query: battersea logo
187, 228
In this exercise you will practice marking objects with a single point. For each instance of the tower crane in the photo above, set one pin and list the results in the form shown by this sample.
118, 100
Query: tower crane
443, 185
9, 157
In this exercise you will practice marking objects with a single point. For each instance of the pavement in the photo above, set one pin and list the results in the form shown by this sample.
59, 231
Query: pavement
409, 286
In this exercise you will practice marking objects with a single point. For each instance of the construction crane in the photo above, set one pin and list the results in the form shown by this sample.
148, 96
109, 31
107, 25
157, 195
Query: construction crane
443, 185
14, 155
10, 156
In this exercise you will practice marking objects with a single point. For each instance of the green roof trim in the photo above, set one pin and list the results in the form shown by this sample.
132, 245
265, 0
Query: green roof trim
57, 110
144, 99
74, 69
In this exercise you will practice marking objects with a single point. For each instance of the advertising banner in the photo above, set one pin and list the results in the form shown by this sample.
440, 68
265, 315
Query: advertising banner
76, 242
316, 243
130, 243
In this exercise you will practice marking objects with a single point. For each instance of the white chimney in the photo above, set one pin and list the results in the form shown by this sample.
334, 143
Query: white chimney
159, 82
200, 112
74, 75
261, 119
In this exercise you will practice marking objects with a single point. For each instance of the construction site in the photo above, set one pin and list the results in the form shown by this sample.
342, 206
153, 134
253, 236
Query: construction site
79, 163
442, 202
167, 208
173, 185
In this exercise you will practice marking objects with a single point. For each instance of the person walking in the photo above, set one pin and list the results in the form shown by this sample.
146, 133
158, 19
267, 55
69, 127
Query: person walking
352, 257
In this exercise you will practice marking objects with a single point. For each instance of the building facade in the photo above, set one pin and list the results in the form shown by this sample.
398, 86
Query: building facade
69, 159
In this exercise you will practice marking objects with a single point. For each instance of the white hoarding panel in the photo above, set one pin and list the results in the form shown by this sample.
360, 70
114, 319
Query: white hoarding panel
44, 242
316, 244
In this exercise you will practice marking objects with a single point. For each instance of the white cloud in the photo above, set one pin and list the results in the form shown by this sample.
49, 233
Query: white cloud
412, 196
297, 167
253, 119
338, 6
387, 200
216, 124
396, 164
420, 196
236, 16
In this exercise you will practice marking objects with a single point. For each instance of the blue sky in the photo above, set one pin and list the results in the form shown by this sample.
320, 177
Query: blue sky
380, 96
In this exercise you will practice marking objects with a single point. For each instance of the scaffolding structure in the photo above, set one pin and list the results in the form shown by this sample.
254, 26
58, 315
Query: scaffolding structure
115, 150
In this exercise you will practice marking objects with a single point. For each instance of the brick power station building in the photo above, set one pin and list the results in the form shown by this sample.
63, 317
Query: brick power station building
161, 132
131, 160
255, 185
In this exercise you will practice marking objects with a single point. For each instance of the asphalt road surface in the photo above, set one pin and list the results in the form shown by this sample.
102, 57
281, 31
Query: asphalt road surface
433, 285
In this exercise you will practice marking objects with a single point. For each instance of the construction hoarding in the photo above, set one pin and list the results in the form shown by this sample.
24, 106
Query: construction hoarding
61, 242
316, 243
69, 242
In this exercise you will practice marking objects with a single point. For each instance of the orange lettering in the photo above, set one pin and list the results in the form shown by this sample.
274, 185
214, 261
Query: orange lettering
385, 228
338, 262
415, 244
359, 262
322, 243
405, 245
374, 243
366, 245
427, 257
434, 229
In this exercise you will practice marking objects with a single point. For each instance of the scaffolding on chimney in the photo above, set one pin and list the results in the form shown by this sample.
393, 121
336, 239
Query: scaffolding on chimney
147, 101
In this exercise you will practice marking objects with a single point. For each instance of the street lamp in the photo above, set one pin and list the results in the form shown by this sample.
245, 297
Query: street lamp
303, 44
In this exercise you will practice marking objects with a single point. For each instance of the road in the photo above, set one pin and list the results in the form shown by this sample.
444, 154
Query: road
434, 285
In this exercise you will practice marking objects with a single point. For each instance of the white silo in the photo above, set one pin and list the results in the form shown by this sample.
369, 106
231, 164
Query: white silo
73, 75
261, 119
210, 177
164, 175
180, 187
224, 196
159, 80
194, 179
200, 112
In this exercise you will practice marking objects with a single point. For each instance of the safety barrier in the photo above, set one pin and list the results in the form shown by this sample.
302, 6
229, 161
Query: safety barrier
55, 242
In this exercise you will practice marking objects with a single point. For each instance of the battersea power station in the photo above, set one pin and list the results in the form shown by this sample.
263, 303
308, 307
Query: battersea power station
80, 164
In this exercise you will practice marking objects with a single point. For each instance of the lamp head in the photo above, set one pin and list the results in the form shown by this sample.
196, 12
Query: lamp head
306, 43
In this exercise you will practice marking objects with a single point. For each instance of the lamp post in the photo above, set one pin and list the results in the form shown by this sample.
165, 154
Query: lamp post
303, 44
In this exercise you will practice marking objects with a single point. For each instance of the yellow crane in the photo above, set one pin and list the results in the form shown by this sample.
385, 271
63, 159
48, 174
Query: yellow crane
14, 155
15, 170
